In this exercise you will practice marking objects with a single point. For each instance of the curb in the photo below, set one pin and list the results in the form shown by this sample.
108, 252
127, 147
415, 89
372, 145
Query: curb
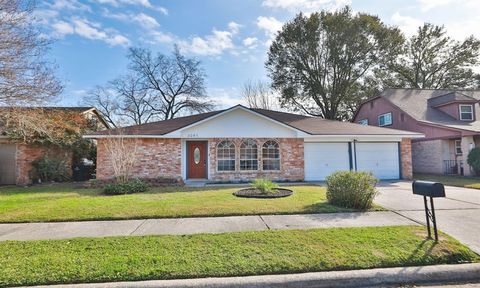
460, 273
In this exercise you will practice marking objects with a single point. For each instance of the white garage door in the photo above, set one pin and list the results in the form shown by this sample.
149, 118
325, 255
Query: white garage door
321, 159
379, 158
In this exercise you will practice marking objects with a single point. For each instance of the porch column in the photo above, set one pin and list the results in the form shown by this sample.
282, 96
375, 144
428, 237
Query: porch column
467, 144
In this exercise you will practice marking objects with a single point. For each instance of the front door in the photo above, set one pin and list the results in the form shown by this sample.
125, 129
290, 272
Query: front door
197, 159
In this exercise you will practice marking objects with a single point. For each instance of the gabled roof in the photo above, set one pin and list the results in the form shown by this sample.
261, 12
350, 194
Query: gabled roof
415, 103
306, 124
451, 97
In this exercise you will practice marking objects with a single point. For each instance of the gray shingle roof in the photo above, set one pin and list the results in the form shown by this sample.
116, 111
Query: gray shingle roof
415, 102
307, 124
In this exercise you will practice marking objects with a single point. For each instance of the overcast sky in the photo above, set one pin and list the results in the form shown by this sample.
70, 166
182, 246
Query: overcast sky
230, 37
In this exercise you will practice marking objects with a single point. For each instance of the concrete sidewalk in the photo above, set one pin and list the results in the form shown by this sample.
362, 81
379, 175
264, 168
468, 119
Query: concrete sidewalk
186, 226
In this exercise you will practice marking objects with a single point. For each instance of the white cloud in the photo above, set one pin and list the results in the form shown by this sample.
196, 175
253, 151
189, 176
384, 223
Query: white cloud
146, 21
270, 25
250, 42
62, 28
144, 3
305, 5
161, 37
431, 4
69, 5
407, 24
89, 30
44, 16
118, 40
234, 27
225, 97
212, 44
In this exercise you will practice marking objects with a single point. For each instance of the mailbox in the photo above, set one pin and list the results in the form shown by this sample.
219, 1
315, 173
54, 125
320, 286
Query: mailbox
432, 190
428, 189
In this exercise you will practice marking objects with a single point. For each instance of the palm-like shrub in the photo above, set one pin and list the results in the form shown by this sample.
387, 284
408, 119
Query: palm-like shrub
264, 185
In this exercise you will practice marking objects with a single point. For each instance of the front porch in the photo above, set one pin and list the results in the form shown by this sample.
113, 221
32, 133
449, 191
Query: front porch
444, 156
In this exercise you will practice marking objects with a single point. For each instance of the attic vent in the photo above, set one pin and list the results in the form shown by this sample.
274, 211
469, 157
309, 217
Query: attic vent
402, 117
371, 104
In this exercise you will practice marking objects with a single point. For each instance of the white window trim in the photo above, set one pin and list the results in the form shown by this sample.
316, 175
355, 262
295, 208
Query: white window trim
248, 159
279, 156
383, 115
460, 112
456, 151
234, 159
363, 121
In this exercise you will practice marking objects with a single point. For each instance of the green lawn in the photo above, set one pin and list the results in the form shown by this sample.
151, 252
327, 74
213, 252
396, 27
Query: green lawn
459, 181
217, 255
64, 203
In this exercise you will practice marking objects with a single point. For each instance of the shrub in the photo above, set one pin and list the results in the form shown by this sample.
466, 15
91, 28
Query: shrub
47, 168
351, 189
130, 187
264, 185
473, 159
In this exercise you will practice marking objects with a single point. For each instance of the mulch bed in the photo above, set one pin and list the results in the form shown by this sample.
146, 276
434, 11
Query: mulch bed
256, 193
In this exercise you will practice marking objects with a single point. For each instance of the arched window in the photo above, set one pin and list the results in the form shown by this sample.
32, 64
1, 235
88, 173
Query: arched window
226, 156
270, 156
248, 155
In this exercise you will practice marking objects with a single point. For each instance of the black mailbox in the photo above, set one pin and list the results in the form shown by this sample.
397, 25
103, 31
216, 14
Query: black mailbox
427, 188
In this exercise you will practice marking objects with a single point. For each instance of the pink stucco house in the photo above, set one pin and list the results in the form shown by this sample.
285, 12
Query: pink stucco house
242, 143
449, 119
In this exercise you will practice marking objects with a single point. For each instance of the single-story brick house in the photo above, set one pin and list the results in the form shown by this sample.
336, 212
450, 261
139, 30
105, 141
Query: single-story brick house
449, 119
242, 143
16, 157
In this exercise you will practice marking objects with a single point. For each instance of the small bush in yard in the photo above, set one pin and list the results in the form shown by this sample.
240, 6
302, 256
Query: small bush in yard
264, 185
473, 159
130, 187
351, 189
50, 168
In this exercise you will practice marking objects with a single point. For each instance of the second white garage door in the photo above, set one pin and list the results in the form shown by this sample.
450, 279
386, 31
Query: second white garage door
321, 159
379, 158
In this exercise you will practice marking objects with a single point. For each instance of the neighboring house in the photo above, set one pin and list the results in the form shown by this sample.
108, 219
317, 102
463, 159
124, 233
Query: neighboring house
240, 143
450, 120
16, 158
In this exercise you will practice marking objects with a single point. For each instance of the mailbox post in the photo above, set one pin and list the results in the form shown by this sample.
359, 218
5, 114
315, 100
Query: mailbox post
432, 190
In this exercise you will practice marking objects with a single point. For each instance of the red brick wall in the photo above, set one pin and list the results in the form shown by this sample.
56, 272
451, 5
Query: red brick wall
291, 161
155, 158
26, 154
406, 158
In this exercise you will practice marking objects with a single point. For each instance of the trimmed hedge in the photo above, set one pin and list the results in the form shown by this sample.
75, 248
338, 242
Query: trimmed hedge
133, 186
351, 189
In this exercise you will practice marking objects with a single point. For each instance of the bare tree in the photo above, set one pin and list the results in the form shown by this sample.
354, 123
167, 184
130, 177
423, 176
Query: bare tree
122, 154
104, 101
176, 82
258, 94
25, 77
135, 101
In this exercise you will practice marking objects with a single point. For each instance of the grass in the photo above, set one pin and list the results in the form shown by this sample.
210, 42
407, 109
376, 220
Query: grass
458, 181
217, 255
65, 203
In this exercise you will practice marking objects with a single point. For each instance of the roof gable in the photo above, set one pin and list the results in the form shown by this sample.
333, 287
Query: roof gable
415, 103
238, 121
448, 98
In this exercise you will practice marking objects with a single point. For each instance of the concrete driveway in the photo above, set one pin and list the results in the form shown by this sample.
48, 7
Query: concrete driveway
458, 214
